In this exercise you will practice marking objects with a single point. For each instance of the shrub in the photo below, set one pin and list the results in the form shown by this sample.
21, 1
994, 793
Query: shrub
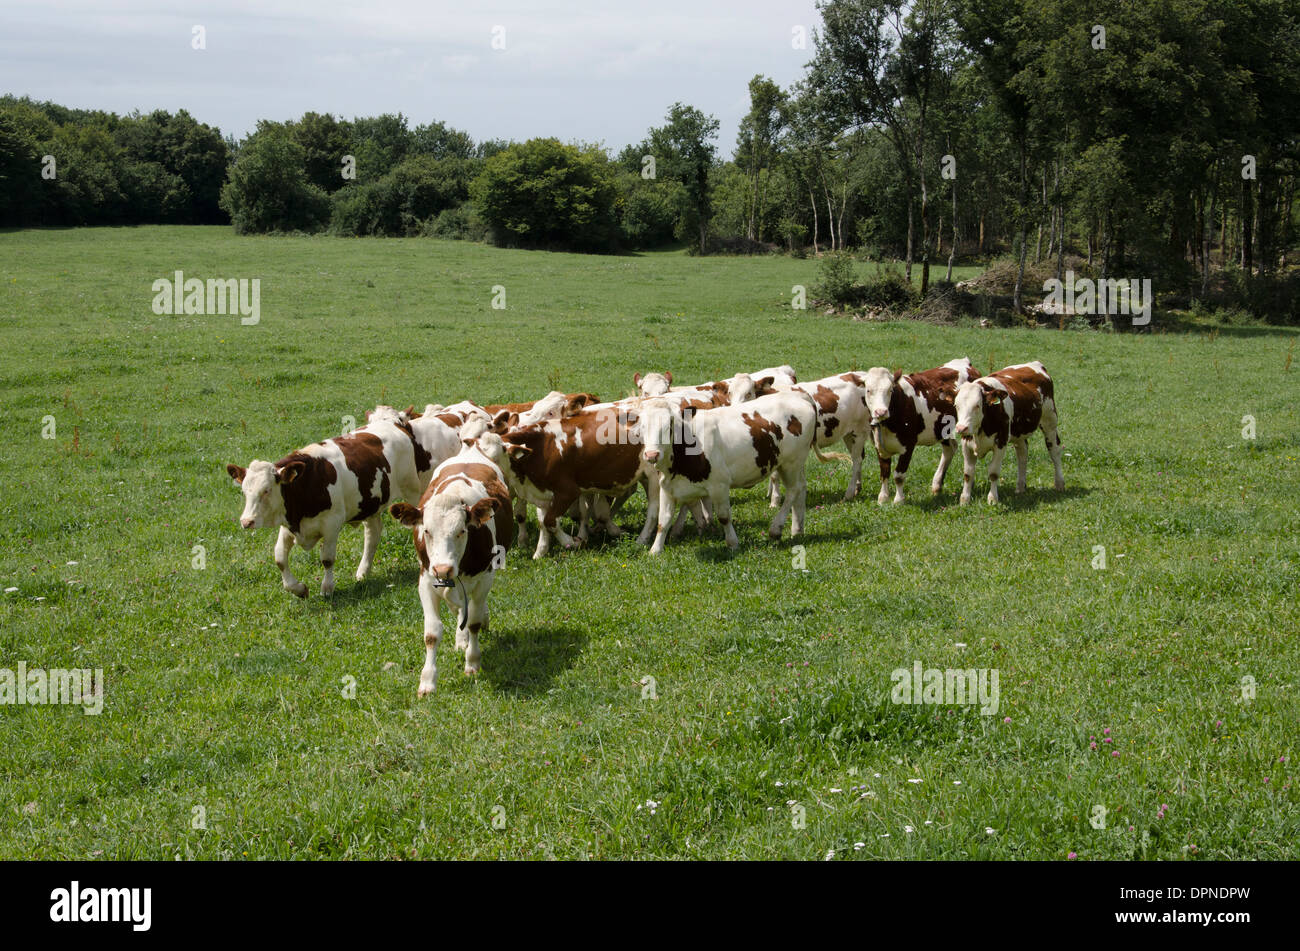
268, 188
543, 194
837, 283
462, 223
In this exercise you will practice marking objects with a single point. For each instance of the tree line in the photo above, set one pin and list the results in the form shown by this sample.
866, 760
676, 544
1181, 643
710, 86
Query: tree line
1152, 136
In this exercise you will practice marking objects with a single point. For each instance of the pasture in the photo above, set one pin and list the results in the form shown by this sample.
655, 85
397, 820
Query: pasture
770, 732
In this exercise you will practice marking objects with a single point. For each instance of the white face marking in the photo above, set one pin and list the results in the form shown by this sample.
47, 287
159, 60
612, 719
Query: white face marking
263, 504
742, 388
969, 404
445, 530
551, 406
654, 384
655, 429
878, 384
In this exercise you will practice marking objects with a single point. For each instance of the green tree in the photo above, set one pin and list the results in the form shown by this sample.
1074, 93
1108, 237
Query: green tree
544, 194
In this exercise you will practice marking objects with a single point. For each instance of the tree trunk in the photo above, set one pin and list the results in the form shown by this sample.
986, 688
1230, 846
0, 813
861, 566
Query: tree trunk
952, 253
812, 196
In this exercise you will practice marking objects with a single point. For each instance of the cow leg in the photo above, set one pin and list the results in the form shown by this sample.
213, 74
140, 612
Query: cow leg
432, 634
885, 462
791, 496
372, 527
1022, 464
284, 545
936, 484
477, 624
1053, 440
796, 487
584, 516
652, 493
521, 520
667, 505
703, 515
605, 516
329, 544
559, 505
679, 522
722, 511
900, 473
773, 491
857, 447
968, 469
543, 535
995, 471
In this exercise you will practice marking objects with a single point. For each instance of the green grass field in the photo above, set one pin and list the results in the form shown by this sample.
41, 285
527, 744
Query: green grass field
227, 696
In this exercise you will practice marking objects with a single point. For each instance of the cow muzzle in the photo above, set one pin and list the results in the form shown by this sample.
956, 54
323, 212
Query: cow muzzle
651, 455
444, 572
248, 522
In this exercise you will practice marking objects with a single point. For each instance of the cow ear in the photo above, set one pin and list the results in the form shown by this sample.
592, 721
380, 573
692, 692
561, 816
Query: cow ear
237, 473
764, 385
500, 422
287, 474
898, 375
668, 375
481, 512
406, 513
636, 380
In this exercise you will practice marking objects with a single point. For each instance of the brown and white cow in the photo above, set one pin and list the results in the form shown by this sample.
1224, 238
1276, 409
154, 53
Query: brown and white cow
910, 411
508, 416
841, 416
553, 464
706, 453
736, 389
461, 529
313, 492
1006, 406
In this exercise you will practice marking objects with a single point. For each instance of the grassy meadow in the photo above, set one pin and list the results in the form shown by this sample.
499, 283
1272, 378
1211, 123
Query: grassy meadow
242, 723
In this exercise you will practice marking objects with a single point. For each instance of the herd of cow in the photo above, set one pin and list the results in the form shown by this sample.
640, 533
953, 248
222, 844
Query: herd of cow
469, 468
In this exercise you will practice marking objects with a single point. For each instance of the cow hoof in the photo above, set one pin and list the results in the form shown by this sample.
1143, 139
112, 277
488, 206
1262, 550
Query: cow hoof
424, 691
326, 592
299, 589
965, 500
936, 489
1060, 486
882, 500
898, 500
471, 671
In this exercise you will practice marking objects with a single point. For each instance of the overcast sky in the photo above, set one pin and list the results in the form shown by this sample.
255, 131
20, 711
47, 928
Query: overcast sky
574, 69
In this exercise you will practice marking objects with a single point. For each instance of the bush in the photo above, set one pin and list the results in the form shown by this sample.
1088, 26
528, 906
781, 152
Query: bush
837, 279
888, 287
462, 223
268, 188
543, 194
648, 211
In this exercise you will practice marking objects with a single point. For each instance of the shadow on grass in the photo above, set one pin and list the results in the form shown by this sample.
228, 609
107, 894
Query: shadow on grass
348, 591
1032, 497
526, 662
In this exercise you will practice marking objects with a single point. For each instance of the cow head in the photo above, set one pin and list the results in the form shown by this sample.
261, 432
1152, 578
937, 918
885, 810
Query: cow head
443, 523
387, 414
653, 384
742, 388
973, 399
579, 401
658, 421
519, 444
878, 384
260, 483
